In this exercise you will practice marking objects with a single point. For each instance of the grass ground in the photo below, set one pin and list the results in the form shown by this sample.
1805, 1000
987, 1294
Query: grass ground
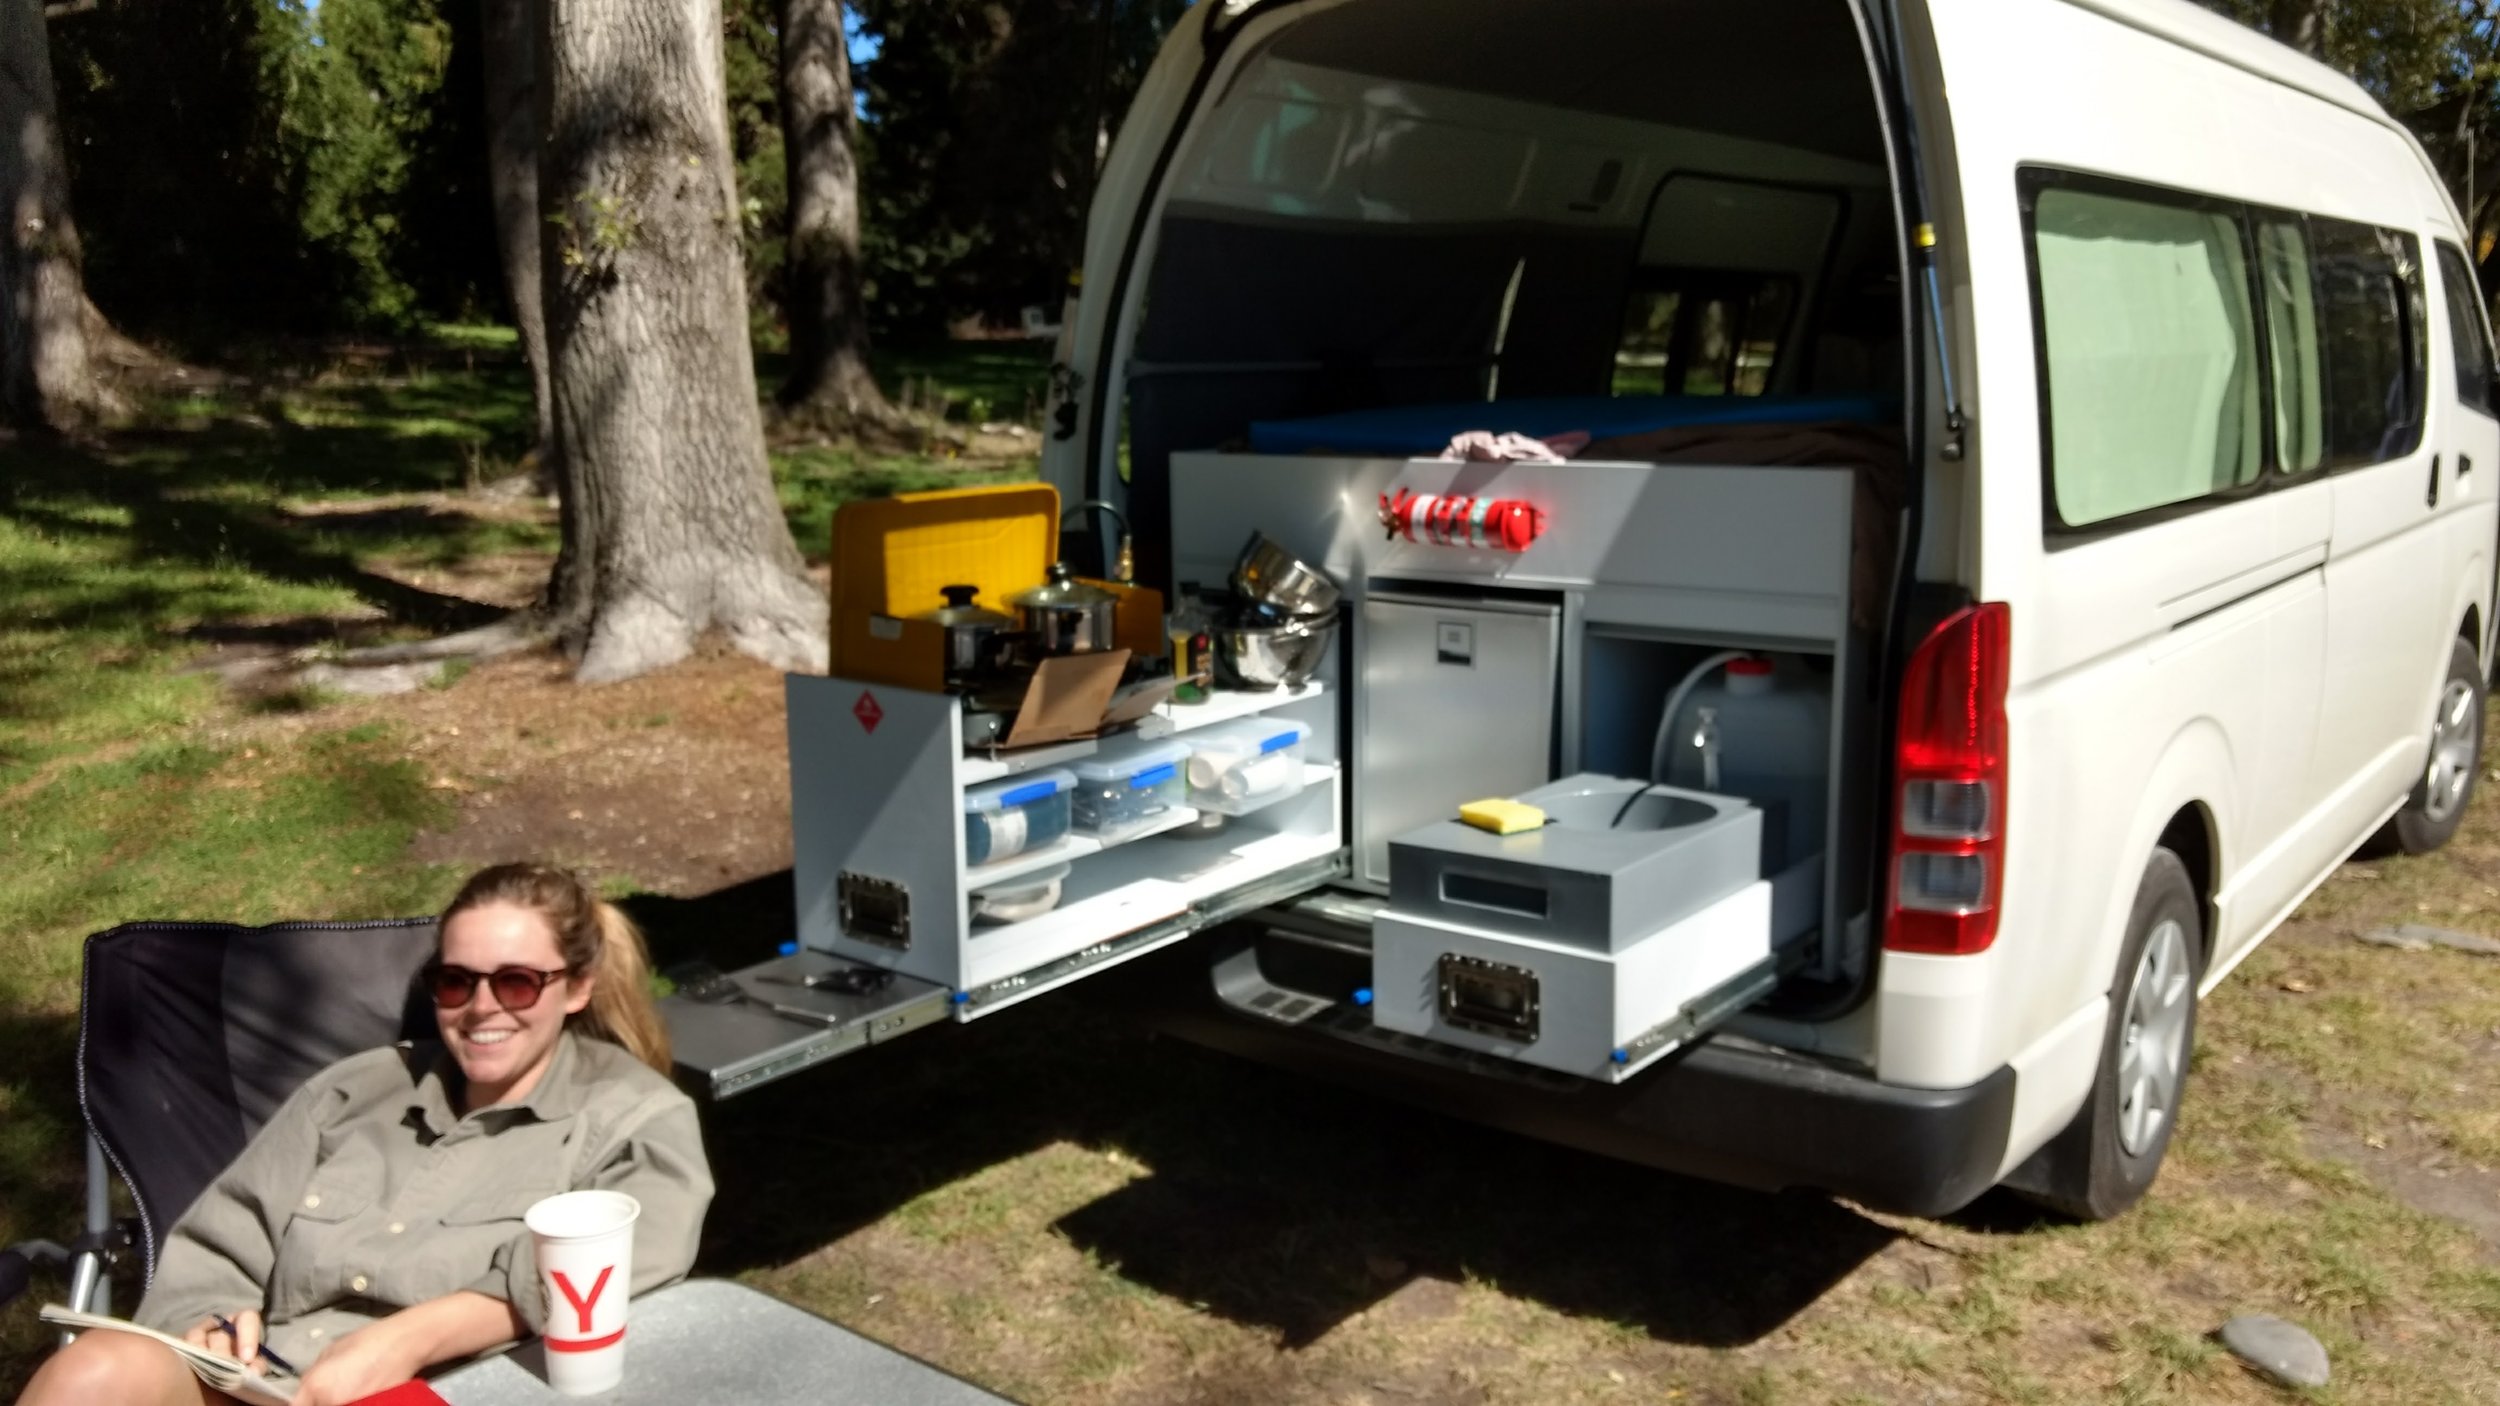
1089, 1214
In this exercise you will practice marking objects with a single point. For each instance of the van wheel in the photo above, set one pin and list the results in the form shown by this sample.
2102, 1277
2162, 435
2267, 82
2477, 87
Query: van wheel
2437, 806
2106, 1159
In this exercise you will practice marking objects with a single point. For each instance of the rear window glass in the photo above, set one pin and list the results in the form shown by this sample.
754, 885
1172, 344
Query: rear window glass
2466, 331
1702, 333
2150, 353
2370, 324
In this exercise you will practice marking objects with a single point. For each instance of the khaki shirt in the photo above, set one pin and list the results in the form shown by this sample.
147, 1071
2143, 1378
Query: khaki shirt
367, 1193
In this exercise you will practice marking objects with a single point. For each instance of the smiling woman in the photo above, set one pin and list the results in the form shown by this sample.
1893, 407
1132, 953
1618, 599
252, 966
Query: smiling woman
374, 1227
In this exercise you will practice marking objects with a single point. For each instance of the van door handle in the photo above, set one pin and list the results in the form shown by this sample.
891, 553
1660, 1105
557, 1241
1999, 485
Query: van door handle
2431, 499
2464, 466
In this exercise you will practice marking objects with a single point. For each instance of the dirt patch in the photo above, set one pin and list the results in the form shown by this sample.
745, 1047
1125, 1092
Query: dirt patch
676, 782
2420, 1173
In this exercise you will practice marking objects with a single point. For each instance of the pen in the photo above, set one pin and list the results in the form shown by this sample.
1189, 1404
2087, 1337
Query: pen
274, 1359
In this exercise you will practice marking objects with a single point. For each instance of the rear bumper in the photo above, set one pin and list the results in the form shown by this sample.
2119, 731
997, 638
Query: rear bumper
1739, 1114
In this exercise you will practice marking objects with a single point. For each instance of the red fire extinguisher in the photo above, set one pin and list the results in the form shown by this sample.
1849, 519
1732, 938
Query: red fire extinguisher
1453, 520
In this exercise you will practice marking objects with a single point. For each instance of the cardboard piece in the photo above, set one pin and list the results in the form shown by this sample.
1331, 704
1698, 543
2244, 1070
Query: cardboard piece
1140, 701
1067, 698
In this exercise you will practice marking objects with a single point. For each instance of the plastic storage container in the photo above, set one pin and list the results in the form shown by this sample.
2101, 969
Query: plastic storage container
1005, 818
1120, 791
1238, 767
1771, 728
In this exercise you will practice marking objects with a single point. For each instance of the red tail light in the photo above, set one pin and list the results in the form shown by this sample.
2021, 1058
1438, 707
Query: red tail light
1948, 841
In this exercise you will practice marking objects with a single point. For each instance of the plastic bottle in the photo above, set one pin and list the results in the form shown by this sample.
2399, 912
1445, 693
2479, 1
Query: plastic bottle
1771, 731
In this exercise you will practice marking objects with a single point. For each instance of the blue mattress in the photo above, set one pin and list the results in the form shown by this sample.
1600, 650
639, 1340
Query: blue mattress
1407, 431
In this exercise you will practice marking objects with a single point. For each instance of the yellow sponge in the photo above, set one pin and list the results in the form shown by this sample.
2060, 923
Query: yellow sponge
1501, 817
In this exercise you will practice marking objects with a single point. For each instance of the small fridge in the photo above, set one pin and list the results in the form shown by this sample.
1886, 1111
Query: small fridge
1456, 703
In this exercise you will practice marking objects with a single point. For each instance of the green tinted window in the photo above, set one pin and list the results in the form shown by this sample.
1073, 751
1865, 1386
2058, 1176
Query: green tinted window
2151, 353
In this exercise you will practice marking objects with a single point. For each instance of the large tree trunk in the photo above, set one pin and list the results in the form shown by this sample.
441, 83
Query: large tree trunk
829, 377
47, 374
670, 523
511, 43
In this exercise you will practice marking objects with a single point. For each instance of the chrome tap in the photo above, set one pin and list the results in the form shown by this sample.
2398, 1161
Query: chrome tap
1124, 562
1706, 737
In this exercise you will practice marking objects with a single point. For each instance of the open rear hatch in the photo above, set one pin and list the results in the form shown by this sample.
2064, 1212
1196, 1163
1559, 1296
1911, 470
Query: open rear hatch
1335, 234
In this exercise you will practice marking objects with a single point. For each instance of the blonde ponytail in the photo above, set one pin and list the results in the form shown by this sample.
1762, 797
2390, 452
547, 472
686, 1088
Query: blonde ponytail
621, 1008
596, 940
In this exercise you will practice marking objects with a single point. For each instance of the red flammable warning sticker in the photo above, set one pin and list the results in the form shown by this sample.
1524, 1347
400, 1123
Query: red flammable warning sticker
867, 711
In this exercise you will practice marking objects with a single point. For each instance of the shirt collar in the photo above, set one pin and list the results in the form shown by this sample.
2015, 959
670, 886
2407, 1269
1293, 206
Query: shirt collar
435, 1098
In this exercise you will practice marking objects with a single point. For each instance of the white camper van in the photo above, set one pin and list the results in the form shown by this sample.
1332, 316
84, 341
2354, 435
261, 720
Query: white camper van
2036, 519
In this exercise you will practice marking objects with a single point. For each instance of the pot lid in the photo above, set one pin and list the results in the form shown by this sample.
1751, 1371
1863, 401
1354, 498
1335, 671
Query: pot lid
1065, 592
960, 611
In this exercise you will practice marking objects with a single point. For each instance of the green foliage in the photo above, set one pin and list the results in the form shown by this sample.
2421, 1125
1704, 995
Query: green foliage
363, 87
985, 121
247, 164
750, 30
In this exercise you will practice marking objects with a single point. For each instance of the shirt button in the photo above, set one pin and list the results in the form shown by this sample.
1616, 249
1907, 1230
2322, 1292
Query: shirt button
312, 1200
357, 1283
312, 1332
397, 1228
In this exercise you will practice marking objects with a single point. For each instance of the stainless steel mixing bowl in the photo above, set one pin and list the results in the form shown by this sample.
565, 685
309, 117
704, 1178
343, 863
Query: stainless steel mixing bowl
1272, 656
1271, 576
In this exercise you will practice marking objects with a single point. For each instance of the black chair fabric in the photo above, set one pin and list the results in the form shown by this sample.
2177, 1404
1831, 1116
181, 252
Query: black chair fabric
191, 1034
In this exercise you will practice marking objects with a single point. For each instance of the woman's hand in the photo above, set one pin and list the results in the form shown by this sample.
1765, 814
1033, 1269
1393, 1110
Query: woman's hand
242, 1344
380, 1354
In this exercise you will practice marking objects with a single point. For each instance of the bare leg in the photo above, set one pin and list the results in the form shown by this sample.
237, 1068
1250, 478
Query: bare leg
102, 1365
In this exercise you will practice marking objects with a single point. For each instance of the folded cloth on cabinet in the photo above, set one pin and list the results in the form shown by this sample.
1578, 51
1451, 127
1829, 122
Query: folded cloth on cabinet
1487, 447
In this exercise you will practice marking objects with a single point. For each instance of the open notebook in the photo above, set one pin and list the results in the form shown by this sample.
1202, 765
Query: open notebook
216, 1369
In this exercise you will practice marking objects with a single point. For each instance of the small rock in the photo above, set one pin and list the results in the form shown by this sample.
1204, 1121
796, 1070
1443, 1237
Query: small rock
2283, 1351
2418, 937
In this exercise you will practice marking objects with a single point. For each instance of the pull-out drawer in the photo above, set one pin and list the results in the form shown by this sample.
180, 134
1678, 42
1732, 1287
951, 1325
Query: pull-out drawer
898, 931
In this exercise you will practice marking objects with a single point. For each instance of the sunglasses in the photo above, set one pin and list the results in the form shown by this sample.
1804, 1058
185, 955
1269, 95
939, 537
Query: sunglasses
515, 988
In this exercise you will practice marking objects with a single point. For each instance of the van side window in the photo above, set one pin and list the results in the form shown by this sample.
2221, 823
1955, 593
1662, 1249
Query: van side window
1702, 332
2466, 332
2369, 287
2292, 340
2149, 350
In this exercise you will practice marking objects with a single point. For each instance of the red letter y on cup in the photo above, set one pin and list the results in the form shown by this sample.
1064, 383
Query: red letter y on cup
582, 1306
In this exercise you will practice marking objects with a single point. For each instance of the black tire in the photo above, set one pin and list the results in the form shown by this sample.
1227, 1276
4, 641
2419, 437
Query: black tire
2440, 798
2090, 1171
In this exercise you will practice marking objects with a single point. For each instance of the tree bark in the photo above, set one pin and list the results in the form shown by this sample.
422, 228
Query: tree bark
829, 375
511, 42
47, 374
670, 523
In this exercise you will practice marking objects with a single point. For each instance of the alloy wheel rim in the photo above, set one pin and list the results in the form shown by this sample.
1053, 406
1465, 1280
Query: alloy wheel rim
2152, 1057
2453, 736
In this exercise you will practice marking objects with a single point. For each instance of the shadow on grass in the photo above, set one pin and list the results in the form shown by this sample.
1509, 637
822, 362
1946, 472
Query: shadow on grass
1275, 1201
203, 530
42, 1152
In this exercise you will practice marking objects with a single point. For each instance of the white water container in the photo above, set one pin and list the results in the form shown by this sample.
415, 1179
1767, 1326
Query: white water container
1772, 728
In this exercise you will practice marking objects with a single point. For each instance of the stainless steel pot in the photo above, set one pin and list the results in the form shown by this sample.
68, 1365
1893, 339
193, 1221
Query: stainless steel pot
1268, 575
975, 634
1068, 616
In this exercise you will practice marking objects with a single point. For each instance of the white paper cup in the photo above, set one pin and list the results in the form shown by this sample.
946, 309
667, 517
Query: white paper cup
586, 1267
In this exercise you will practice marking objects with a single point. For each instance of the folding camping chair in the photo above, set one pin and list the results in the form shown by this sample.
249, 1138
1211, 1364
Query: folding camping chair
189, 1036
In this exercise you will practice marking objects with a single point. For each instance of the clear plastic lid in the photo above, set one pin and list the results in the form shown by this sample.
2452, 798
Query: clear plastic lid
1136, 766
1018, 790
1258, 736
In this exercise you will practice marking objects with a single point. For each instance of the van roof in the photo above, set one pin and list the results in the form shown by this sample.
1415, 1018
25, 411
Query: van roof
2194, 27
